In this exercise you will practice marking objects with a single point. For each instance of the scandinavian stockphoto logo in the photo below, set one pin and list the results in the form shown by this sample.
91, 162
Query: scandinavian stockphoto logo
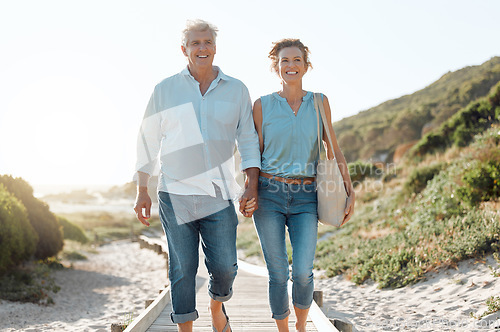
188, 160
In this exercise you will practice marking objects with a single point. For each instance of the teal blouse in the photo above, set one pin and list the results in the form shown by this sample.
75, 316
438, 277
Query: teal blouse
290, 141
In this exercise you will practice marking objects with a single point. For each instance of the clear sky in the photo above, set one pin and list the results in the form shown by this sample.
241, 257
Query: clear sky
75, 76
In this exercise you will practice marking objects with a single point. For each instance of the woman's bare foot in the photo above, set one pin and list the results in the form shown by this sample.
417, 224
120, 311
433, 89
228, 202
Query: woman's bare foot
219, 319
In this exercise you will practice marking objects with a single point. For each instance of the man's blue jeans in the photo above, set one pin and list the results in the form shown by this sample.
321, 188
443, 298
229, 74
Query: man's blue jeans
294, 206
218, 240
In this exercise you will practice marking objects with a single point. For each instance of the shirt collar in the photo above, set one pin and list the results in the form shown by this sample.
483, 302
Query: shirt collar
220, 75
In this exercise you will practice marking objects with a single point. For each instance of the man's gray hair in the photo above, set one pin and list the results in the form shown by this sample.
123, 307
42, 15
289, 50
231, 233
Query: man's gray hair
198, 25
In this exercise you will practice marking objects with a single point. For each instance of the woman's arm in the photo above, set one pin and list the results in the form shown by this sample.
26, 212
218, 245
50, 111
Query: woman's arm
248, 207
257, 119
344, 170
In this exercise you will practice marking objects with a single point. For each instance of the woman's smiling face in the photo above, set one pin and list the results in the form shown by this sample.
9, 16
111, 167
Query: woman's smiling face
291, 64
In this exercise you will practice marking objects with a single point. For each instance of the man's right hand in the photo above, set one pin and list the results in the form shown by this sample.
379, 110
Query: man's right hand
143, 202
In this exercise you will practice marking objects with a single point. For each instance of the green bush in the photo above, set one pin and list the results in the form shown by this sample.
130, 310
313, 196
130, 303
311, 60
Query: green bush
481, 182
360, 170
17, 237
475, 119
494, 96
418, 179
32, 283
461, 128
429, 143
72, 231
50, 237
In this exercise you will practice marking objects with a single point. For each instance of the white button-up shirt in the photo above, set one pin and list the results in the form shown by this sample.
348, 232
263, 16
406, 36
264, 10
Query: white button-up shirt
193, 136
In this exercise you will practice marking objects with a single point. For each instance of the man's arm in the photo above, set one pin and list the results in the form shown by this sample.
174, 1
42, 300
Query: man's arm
250, 194
142, 200
148, 146
248, 145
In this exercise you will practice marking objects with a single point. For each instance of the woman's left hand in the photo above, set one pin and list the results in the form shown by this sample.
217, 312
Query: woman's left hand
250, 208
349, 207
248, 203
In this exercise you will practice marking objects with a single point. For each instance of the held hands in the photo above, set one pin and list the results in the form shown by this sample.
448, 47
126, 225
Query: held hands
248, 203
143, 201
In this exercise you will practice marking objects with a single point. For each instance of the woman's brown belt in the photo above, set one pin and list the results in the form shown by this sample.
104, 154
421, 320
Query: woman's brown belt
288, 180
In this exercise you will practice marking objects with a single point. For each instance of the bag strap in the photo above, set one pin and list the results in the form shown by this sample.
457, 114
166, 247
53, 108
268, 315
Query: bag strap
318, 104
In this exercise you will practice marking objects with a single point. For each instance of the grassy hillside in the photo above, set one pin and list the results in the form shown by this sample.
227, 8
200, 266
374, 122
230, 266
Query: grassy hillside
375, 133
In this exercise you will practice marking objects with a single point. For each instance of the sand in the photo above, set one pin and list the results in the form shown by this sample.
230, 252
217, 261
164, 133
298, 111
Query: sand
443, 302
118, 279
104, 289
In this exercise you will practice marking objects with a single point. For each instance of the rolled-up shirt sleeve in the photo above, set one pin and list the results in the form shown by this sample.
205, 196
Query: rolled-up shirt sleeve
246, 135
149, 138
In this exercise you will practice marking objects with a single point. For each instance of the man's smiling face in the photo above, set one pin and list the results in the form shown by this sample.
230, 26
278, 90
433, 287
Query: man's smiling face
200, 49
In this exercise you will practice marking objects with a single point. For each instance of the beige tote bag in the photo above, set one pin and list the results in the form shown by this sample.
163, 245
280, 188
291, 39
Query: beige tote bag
332, 196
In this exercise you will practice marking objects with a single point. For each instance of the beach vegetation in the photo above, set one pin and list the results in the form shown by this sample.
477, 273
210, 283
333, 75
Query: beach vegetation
359, 171
43, 221
122, 326
101, 227
419, 177
31, 282
72, 231
17, 237
492, 304
481, 182
129, 318
494, 272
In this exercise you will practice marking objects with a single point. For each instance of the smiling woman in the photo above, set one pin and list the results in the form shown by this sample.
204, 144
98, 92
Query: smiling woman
58, 129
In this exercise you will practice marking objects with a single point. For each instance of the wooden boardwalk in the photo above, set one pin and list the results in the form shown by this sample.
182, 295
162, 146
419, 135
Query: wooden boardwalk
248, 309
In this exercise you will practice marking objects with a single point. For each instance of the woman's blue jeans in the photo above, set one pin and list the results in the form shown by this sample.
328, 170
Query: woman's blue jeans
294, 207
218, 240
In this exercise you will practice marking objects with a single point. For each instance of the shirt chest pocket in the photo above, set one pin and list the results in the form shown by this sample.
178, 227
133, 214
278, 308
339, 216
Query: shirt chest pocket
225, 112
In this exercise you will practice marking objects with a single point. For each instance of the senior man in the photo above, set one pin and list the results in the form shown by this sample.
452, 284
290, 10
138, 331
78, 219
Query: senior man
192, 123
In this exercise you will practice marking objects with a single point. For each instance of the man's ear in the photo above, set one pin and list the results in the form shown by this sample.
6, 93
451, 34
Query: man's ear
215, 49
183, 48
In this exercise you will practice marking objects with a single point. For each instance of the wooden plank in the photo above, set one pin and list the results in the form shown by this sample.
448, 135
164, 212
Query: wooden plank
318, 318
148, 316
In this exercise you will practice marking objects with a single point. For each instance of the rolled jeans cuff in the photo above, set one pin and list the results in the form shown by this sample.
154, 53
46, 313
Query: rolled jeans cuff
220, 298
182, 318
282, 316
301, 306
